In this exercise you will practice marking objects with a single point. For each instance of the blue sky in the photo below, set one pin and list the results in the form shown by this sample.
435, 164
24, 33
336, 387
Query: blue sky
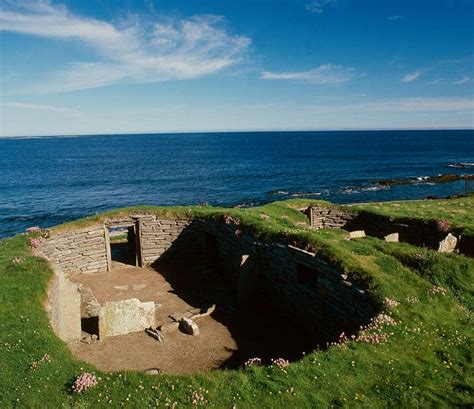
124, 66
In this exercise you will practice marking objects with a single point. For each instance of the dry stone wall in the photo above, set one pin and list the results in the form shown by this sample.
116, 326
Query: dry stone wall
177, 238
323, 305
82, 250
323, 217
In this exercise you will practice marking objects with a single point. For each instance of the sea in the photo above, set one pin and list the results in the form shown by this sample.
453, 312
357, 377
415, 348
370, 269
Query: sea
45, 181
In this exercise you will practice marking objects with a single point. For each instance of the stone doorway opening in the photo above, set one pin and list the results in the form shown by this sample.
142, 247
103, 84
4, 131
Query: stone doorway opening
123, 242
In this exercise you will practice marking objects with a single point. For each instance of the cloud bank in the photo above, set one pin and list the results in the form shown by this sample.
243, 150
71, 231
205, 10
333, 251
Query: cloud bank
137, 50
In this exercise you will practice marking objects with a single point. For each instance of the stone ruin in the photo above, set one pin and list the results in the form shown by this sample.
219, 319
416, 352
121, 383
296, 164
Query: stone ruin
294, 284
417, 232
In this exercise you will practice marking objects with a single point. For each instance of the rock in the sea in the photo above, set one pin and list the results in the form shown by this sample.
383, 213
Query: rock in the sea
156, 334
123, 317
188, 326
392, 238
448, 244
356, 234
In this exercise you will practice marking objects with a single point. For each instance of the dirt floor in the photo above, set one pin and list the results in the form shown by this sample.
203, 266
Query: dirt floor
227, 338
180, 353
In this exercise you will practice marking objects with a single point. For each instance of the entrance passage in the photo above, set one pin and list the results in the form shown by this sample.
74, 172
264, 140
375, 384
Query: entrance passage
123, 246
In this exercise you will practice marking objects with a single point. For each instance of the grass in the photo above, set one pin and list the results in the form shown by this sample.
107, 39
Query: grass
460, 211
426, 360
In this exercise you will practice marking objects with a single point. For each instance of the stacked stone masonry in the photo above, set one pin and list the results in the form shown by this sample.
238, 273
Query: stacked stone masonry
323, 304
325, 217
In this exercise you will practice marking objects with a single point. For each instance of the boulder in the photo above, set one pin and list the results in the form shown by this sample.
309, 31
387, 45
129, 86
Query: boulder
448, 244
188, 326
356, 234
392, 238
123, 317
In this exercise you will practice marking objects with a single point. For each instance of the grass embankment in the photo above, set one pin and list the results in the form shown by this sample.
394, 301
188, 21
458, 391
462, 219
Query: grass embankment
423, 360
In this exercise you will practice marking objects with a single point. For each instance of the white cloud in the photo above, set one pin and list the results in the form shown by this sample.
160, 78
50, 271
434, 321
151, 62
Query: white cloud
322, 75
401, 105
411, 76
39, 107
463, 80
137, 50
318, 6
395, 17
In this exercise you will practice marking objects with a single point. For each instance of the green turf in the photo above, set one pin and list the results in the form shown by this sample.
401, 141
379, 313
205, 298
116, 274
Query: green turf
426, 360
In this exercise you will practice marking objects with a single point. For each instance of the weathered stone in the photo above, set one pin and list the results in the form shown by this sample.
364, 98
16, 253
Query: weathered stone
392, 238
448, 244
123, 317
138, 287
121, 287
155, 334
153, 371
356, 234
188, 326
90, 307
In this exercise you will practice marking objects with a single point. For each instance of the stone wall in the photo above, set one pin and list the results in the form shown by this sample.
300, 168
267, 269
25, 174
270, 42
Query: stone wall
82, 250
322, 217
177, 238
323, 306
296, 284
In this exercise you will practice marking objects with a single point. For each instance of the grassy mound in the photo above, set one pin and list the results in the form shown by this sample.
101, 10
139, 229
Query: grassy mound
416, 354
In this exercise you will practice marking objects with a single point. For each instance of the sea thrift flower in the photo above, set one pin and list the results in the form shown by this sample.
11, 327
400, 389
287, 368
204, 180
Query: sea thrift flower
412, 300
44, 359
252, 361
33, 229
35, 243
437, 290
84, 382
391, 303
280, 363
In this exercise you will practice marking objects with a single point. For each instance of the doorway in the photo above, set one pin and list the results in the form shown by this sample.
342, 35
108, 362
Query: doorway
123, 245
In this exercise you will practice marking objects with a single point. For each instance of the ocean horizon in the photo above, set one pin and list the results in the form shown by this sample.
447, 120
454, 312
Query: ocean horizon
50, 180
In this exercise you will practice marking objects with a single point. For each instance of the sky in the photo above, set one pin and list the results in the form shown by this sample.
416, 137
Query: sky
144, 66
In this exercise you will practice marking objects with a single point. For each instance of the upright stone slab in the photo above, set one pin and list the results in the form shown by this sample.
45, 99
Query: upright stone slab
124, 317
356, 234
392, 238
448, 244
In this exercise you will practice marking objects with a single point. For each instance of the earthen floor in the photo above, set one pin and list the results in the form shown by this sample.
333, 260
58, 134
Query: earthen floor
180, 353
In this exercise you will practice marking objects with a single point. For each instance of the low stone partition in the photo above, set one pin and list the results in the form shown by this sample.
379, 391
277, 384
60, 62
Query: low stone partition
325, 217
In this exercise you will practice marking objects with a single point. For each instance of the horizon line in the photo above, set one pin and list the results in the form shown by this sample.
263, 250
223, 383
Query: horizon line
175, 132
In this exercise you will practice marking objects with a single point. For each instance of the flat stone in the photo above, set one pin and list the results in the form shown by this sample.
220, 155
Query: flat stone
448, 244
188, 326
121, 287
356, 234
392, 238
153, 371
138, 287
123, 317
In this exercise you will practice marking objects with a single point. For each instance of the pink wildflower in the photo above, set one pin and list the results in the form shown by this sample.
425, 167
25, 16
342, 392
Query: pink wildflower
252, 361
84, 382
280, 363
33, 229
437, 290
